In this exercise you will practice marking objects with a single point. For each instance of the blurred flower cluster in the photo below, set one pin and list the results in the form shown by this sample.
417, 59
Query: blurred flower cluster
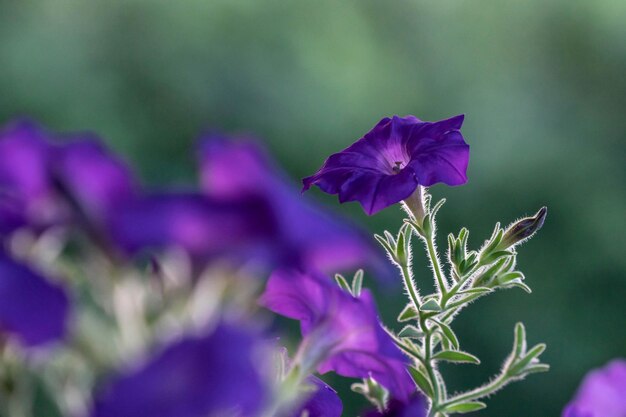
118, 300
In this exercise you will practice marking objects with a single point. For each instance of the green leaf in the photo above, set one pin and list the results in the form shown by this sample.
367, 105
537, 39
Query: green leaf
532, 354
390, 238
407, 313
477, 290
435, 209
411, 332
509, 276
494, 256
521, 285
456, 356
384, 244
400, 248
357, 283
463, 408
519, 344
448, 333
421, 381
540, 367
430, 305
343, 284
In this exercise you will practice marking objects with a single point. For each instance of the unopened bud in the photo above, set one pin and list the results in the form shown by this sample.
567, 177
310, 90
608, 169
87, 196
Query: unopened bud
523, 229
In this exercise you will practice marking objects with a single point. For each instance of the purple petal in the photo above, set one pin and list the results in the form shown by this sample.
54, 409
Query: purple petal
602, 393
33, 309
196, 223
324, 402
213, 374
93, 178
24, 176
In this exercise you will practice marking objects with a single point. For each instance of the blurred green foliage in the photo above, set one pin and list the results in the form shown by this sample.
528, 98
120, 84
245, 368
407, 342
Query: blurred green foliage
542, 85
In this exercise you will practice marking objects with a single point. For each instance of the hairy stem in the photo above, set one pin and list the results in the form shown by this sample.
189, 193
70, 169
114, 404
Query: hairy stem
410, 285
478, 393
434, 261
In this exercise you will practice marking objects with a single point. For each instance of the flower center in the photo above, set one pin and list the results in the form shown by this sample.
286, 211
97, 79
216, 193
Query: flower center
398, 166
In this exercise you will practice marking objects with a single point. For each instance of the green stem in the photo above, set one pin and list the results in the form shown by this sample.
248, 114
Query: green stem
434, 261
409, 285
478, 393
436, 400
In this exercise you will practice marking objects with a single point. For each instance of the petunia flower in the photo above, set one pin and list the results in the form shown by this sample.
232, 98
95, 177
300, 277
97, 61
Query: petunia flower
198, 224
27, 193
92, 177
32, 308
601, 394
340, 332
213, 374
386, 165
308, 235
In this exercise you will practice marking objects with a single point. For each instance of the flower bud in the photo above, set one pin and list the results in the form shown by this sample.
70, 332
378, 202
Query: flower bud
523, 229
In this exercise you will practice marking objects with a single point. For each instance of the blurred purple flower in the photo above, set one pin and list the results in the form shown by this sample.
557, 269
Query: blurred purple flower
416, 407
324, 402
200, 225
340, 332
27, 193
308, 235
601, 394
33, 309
94, 179
210, 375
386, 165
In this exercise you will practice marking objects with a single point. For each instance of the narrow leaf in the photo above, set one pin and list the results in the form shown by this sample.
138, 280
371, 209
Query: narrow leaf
357, 283
532, 354
407, 313
519, 345
430, 305
343, 284
421, 381
463, 408
411, 332
456, 356
384, 244
448, 333
477, 290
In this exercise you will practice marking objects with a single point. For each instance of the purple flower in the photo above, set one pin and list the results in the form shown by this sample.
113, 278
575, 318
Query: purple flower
323, 402
307, 235
386, 165
27, 193
95, 180
33, 309
209, 375
340, 332
416, 407
200, 225
601, 394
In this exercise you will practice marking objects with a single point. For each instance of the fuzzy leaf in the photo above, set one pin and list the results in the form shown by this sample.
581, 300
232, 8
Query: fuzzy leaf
448, 333
430, 305
463, 408
411, 332
456, 356
343, 284
421, 381
357, 283
407, 313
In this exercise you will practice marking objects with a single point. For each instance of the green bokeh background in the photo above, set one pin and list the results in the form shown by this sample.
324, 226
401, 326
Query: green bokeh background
542, 84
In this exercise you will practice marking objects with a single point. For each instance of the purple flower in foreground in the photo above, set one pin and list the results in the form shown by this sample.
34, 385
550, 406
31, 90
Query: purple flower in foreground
95, 180
32, 309
210, 375
307, 234
200, 225
27, 193
323, 402
386, 165
601, 394
416, 407
340, 332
